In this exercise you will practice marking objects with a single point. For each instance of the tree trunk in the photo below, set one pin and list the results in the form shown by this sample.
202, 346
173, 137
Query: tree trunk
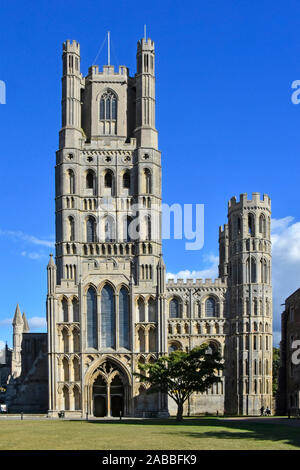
179, 412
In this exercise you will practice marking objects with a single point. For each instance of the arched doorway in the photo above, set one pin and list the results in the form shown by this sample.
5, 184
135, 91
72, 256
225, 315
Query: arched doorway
99, 395
117, 396
109, 391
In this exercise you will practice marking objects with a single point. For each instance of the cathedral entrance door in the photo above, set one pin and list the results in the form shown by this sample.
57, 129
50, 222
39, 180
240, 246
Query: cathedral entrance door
99, 406
116, 405
100, 397
109, 391
116, 394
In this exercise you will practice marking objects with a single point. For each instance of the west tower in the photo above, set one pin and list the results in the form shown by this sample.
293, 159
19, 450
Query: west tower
105, 303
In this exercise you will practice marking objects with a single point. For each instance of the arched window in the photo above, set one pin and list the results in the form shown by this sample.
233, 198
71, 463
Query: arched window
66, 398
173, 347
90, 230
108, 106
77, 401
108, 324
265, 271
237, 225
141, 310
71, 229
91, 299
109, 229
108, 113
71, 181
211, 348
251, 228
152, 310
109, 183
127, 228
64, 306
141, 340
262, 225
174, 308
75, 308
90, 180
147, 181
126, 180
147, 227
76, 341
152, 340
210, 307
253, 270
124, 318
108, 179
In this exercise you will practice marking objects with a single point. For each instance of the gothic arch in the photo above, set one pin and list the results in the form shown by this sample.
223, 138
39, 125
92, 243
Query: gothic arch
88, 379
90, 179
108, 368
106, 90
103, 283
174, 345
87, 286
175, 306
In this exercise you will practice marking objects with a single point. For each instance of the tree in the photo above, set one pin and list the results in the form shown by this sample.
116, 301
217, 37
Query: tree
276, 365
182, 373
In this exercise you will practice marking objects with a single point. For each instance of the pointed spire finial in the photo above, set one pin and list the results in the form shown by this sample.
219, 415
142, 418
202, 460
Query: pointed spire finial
51, 260
25, 322
18, 317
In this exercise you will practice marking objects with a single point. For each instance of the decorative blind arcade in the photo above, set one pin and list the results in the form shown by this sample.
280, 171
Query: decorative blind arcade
91, 318
124, 318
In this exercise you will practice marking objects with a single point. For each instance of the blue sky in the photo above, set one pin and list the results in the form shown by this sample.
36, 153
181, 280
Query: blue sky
225, 118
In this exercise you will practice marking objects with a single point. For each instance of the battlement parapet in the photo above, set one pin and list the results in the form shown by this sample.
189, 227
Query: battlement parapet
244, 201
145, 44
223, 230
108, 71
71, 46
218, 282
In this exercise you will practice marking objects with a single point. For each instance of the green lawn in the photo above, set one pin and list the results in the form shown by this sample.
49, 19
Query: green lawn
192, 433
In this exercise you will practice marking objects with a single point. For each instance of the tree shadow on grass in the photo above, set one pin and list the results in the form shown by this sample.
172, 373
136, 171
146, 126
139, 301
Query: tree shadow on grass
247, 430
243, 430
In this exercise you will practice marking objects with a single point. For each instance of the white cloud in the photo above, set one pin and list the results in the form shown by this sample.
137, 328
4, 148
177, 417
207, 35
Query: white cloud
33, 255
27, 238
2, 344
211, 272
286, 264
34, 322
6, 321
37, 322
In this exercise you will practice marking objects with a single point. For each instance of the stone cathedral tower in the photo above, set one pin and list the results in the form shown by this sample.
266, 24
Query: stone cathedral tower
246, 259
105, 290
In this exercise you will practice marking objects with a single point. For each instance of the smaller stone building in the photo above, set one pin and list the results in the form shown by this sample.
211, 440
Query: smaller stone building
288, 395
26, 369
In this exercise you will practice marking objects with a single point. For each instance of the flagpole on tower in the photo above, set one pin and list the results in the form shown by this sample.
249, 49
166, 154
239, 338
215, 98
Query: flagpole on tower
145, 33
108, 48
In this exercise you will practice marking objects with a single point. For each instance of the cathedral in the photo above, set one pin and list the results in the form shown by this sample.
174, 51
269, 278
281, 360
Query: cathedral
109, 306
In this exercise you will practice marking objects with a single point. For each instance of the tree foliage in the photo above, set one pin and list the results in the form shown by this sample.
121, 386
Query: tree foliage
182, 373
276, 365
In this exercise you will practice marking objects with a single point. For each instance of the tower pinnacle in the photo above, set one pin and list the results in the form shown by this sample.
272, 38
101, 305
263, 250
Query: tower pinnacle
17, 317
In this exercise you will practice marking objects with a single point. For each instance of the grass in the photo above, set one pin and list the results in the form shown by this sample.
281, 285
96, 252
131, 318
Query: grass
191, 434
